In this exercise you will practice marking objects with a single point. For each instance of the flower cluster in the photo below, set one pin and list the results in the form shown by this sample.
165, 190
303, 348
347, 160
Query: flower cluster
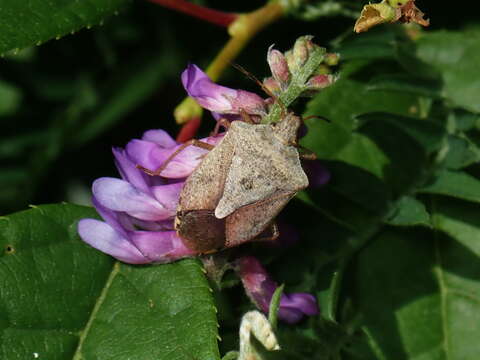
139, 210
286, 66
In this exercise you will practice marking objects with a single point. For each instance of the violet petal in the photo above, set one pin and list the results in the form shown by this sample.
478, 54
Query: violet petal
168, 195
305, 302
160, 246
159, 137
119, 195
151, 156
129, 172
209, 95
293, 307
260, 287
248, 102
103, 237
118, 221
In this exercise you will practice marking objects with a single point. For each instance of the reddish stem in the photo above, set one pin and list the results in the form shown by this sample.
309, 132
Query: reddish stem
189, 130
213, 16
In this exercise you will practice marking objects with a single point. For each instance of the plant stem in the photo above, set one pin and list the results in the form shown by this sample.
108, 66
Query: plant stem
296, 86
189, 130
241, 31
216, 17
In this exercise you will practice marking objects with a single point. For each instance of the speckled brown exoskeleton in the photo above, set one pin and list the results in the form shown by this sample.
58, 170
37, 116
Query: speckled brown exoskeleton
240, 186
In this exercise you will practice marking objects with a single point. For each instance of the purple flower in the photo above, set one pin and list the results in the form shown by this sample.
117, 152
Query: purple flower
138, 209
217, 98
260, 288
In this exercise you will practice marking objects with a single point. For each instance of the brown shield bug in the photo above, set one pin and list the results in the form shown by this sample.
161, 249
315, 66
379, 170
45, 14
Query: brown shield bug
240, 186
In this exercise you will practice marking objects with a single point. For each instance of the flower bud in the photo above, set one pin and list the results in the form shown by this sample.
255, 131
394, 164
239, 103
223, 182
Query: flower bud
272, 85
278, 65
319, 82
260, 288
323, 69
292, 65
301, 49
331, 59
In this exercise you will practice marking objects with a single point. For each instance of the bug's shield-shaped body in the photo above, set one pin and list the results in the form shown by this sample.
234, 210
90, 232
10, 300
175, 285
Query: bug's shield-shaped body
241, 185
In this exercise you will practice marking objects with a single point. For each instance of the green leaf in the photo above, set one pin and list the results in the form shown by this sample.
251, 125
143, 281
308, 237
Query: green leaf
460, 221
409, 211
347, 98
461, 153
376, 44
456, 184
10, 98
333, 142
464, 120
427, 134
429, 306
406, 152
36, 21
455, 55
331, 277
62, 299
406, 83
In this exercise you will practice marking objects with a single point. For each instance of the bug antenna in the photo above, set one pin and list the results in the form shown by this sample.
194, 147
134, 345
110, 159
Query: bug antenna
263, 87
251, 77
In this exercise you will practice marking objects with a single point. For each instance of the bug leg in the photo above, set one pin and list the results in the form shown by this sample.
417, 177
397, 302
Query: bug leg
246, 118
272, 236
221, 122
264, 88
308, 154
193, 142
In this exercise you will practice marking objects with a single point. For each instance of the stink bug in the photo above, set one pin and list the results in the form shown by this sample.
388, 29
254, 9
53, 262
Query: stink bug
240, 186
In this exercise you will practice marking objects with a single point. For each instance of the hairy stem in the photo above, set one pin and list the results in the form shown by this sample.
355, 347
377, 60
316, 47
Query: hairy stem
296, 86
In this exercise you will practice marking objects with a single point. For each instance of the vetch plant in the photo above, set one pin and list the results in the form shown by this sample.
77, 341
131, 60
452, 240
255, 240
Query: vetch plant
212, 246
141, 212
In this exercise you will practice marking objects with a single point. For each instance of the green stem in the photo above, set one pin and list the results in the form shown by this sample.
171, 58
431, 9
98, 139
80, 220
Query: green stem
296, 86
242, 30
275, 306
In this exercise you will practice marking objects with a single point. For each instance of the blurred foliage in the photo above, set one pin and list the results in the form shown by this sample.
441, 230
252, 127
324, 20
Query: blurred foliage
390, 246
